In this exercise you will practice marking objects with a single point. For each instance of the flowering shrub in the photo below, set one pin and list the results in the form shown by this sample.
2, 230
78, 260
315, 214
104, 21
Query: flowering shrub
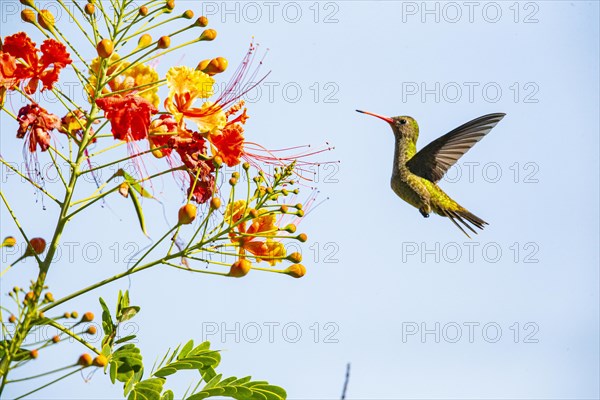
192, 133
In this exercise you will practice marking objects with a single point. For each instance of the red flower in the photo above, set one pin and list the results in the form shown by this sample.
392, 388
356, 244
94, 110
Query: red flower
203, 188
230, 144
129, 116
36, 123
20, 61
161, 133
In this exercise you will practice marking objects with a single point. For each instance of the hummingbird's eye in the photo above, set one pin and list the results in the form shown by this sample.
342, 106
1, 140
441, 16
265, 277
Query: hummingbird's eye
403, 121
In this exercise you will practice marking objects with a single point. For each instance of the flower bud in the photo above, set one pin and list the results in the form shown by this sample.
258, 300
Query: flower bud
49, 297
105, 48
164, 42
100, 361
300, 213
283, 208
87, 317
9, 241
202, 21
218, 161
214, 66
187, 214
30, 296
170, 5
246, 166
34, 353
28, 15
285, 192
46, 19
302, 237
143, 11
215, 203
67, 315
240, 268
290, 228
188, 14
232, 181
295, 257
144, 41
296, 271
298, 206
85, 360
90, 9
36, 246
55, 339
208, 35
253, 213
91, 330
124, 189
74, 314
235, 175
12, 319
27, 2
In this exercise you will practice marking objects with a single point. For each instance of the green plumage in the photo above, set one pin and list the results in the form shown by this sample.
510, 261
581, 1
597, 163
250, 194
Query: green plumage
415, 174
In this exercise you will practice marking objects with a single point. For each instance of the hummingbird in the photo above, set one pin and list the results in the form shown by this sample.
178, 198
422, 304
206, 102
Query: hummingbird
415, 174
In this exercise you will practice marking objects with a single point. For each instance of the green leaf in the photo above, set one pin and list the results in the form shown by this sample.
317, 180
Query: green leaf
168, 395
125, 339
186, 349
127, 366
149, 389
135, 185
128, 313
138, 210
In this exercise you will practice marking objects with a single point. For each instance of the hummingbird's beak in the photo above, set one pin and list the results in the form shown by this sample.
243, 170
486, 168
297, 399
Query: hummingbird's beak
386, 119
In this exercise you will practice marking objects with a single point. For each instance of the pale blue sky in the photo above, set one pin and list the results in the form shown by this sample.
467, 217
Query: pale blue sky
375, 277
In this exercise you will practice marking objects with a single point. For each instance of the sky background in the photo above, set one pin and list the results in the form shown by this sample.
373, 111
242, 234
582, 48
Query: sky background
418, 309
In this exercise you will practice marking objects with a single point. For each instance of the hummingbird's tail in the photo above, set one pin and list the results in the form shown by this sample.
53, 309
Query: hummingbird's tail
464, 216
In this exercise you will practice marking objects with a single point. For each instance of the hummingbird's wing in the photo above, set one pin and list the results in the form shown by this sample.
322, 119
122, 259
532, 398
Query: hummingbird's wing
437, 157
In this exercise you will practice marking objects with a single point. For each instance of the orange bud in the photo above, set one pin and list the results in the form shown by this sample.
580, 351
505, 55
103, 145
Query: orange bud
100, 361
87, 317
300, 213
34, 353
164, 42
253, 213
214, 66
290, 228
105, 48
91, 330
170, 5
28, 16
12, 319
232, 181
46, 19
302, 237
55, 338
144, 41
215, 203
202, 65
90, 9
143, 11
283, 209
67, 315
30, 296
208, 35
240, 268
296, 271
295, 257
9, 241
187, 214
188, 14
36, 246
202, 21
124, 189
85, 360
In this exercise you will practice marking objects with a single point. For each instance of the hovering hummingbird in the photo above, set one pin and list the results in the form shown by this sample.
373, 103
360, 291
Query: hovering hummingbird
415, 175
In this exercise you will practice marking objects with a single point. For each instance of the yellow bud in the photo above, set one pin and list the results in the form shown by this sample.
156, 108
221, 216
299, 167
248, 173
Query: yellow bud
188, 14
202, 65
283, 209
215, 203
34, 353
302, 237
217, 161
164, 42
87, 317
105, 48
246, 166
187, 214
143, 11
208, 35
235, 175
295, 257
214, 66
145, 40
28, 16
67, 315
36, 246
49, 297
240, 268
85, 360
100, 361
29, 297
27, 2
90, 9
290, 228
202, 21
46, 19
299, 206
74, 314
300, 213
9, 241
124, 189
296, 271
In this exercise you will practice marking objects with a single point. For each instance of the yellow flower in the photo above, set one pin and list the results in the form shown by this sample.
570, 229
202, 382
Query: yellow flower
187, 82
235, 211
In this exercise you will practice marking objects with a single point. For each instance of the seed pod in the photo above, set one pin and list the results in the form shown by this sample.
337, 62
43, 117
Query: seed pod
46, 19
187, 214
296, 271
240, 268
85, 360
105, 48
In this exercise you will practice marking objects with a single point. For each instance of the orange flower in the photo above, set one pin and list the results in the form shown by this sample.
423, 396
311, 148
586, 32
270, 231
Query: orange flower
129, 116
35, 124
229, 144
20, 61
